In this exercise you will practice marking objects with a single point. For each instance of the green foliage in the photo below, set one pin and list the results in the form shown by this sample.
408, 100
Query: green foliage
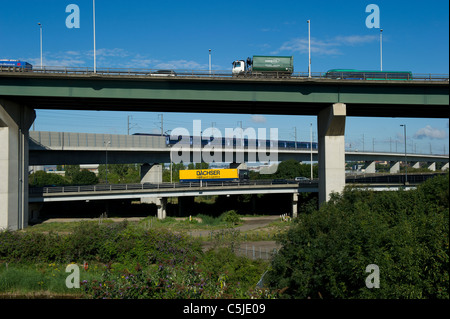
117, 242
288, 169
405, 233
41, 179
119, 173
231, 217
84, 177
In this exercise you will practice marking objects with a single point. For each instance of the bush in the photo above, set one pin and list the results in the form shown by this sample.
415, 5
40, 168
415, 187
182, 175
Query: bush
231, 217
405, 233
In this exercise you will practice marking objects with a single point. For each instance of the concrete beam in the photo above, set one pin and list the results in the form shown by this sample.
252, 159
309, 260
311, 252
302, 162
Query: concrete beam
331, 129
15, 120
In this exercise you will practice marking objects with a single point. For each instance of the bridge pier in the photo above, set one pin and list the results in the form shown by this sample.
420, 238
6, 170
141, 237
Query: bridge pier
415, 165
371, 168
331, 129
294, 205
432, 167
151, 173
395, 168
15, 121
161, 204
445, 167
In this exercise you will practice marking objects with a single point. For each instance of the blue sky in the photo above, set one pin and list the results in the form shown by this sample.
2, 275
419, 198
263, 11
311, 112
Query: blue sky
178, 35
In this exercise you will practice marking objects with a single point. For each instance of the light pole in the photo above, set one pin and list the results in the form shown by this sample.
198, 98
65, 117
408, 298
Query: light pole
406, 163
95, 53
311, 153
40, 31
309, 48
106, 160
381, 49
210, 62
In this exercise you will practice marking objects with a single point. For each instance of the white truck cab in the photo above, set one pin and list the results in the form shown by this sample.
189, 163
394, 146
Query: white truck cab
238, 67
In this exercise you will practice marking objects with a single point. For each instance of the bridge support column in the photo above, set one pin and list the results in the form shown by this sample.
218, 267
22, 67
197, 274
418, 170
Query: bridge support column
432, 167
370, 169
294, 205
151, 173
331, 129
445, 167
416, 165
15, 120
395, 168
161, 204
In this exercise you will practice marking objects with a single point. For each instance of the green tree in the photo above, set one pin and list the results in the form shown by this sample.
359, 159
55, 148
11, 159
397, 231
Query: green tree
42, 178
405, 233
84, 177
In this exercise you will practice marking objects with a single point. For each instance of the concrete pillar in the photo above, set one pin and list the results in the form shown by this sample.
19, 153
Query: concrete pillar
331, 129
395, 168
371, 168
294, 205
151, 173
161, 204
415, 164
15, 120
445, 167
432, 167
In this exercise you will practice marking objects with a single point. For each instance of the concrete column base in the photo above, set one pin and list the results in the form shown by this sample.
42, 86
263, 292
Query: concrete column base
370, 169
331, 129
395, 168
161, 204
294, 205
15, 120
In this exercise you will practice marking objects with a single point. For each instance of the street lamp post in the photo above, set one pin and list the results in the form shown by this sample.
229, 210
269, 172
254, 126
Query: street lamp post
309, 48
40, 31
95, 54
106, 160
406, 162
311, 153
381, 49
210, 62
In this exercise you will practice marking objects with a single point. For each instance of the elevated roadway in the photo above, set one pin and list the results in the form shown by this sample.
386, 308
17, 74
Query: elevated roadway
47, 148
330, 100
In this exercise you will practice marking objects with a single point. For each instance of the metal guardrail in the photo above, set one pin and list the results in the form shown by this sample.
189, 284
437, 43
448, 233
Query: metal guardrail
149, 186
429, 77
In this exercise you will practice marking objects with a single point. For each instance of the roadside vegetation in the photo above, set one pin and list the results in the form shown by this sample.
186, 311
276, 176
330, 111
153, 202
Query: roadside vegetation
405, 233
324, 252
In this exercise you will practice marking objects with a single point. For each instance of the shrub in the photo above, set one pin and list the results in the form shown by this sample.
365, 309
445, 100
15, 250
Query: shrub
231, 217
405, 233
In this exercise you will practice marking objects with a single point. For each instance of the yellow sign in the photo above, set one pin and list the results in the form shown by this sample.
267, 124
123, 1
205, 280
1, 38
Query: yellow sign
216, 174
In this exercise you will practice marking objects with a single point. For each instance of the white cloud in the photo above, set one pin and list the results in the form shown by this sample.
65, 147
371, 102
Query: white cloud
430, 132
258, 119
325, 47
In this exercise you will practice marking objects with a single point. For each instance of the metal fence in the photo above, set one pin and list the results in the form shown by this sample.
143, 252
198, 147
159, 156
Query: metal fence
149, 186
203, 73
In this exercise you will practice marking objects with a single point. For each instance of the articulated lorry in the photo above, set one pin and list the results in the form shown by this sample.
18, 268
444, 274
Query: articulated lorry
266, 66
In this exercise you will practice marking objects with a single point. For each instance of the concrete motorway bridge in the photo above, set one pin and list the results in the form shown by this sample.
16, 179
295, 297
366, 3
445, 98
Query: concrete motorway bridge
330, 100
